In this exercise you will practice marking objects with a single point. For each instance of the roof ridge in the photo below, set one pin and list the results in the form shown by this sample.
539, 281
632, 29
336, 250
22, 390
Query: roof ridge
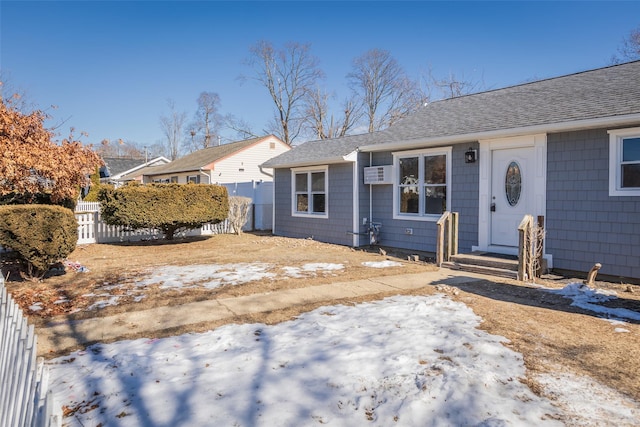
537, 81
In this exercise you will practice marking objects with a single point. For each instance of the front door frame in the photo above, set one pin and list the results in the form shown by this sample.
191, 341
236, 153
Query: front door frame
539, 162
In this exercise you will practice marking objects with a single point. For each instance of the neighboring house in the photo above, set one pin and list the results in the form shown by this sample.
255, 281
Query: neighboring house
566, 149
117, 170
221, 164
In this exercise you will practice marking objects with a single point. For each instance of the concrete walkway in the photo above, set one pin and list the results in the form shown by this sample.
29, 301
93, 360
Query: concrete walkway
68, 335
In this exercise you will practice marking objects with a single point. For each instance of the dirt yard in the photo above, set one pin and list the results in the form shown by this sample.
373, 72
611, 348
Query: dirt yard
544, 327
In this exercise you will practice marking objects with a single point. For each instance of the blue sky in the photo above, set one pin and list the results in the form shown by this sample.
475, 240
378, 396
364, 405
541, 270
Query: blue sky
110, 66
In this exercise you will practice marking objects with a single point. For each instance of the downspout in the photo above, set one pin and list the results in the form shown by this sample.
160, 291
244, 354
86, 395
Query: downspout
273, 206
370, 192
265, 173
356, 205
205, 174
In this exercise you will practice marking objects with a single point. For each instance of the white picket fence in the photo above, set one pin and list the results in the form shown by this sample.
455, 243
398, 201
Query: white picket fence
25, 399
91, 228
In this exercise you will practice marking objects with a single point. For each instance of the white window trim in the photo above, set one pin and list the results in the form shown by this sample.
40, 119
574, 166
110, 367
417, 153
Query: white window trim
309, 170
413, 153
615, 159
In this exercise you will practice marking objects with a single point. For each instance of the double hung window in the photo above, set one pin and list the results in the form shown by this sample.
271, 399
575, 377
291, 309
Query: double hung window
422, 184
309, 191
624, 162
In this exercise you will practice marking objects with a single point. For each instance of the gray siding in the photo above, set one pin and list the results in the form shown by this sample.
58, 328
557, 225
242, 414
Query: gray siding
464, 199
335, 229
584, 225
465, 195
363, 206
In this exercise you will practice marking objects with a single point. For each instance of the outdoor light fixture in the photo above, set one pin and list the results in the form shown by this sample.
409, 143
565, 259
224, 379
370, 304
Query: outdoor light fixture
470, 155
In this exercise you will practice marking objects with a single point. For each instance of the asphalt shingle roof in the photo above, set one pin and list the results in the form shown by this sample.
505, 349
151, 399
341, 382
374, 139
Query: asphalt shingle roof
117, 165
201, 158
604, 92
601, 93
324, 150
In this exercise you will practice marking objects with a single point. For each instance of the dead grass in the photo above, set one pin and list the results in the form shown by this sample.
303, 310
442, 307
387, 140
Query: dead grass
543, 327
108, 264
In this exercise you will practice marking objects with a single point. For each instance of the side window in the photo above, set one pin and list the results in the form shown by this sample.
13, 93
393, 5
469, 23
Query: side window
630, 165
309, 191
624, 162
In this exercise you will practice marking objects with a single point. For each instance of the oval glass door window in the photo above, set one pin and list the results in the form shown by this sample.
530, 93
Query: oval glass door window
513, 183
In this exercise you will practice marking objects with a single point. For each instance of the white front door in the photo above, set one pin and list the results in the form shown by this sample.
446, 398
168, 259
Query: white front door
512, 193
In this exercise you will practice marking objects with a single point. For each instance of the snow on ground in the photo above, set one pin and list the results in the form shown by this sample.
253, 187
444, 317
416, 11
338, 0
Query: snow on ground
589, 403
591, 299
311, 268
404, 361
208, 276
381, 264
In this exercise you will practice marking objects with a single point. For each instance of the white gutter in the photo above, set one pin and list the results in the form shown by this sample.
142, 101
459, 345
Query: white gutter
525, 130
349, 158
261, 169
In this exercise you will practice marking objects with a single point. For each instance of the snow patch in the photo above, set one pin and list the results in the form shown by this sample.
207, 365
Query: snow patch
381, 264
36, 306
209, 276
311, 268
586, 402
590, 299
399, 361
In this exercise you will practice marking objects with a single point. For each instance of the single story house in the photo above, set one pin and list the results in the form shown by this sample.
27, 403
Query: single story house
221, 164
566, 149
116, 169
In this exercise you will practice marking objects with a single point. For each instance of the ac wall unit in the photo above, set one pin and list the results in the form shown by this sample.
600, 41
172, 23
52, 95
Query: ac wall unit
378, 175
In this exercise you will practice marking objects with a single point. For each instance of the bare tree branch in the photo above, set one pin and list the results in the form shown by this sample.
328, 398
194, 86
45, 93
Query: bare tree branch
288, 75
386, 91
322, 123
630, 48
239, 126
204, 130
171, 126
450, 86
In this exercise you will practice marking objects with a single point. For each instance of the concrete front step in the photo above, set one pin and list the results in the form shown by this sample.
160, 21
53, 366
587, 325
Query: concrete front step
481, 269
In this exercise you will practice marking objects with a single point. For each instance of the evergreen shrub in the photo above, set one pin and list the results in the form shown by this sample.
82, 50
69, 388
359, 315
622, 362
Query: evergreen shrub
167, 207
41, 234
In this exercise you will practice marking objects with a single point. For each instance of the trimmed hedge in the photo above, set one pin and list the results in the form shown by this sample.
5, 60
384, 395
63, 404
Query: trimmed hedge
41, 234
167, 207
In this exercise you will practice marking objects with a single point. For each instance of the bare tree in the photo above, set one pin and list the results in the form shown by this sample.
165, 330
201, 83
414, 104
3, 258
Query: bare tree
630, 48
204, 130
172, 125
288, 74
239, 126
120, 148
450, 86
239, 209
322, 123
386, 91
